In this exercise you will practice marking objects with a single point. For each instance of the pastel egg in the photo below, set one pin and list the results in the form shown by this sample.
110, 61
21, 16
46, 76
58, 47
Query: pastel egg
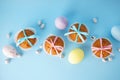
115, 31
61, 23
9, 51
76, 56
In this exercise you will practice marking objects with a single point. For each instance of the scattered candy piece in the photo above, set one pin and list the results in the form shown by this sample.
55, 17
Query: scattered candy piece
40, 46
19, 56
42, 26
39, 22
104, 60
38, 51
95, 20
61, 23
7, 61
109, 59
119, 49
93, 37
61, 56
8, 35
115, 31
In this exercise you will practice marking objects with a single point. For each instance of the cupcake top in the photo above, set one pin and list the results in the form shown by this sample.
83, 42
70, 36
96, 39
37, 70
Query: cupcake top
77, 33
102, 48
26, 38
53, 45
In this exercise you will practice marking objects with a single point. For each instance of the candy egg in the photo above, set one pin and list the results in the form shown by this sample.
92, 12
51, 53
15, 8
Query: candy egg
61, 23
76, 56
115, 31
10, 52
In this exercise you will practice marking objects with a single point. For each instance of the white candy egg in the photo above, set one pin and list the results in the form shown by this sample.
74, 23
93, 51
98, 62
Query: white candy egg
115, 31
9, 51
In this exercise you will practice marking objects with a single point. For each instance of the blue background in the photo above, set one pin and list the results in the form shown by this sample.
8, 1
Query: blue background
18, 14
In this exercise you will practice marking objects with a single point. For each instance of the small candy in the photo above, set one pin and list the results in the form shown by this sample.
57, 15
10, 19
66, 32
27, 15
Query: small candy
115, 31
40, 46
39, 22
8, 35
19, 56
93, 37
7, 61
38, 51
95, 20
109, 59
42, 26
104, 60
61, 56
61, 23
76, 56
119, 49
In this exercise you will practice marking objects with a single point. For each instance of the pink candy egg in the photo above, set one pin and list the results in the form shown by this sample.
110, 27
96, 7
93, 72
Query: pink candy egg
61, 23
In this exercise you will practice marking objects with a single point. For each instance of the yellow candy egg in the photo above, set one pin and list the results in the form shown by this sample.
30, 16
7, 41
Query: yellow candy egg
76, 56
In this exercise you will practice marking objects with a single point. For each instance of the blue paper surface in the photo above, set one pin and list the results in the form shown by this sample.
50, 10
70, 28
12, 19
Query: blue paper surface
19, 14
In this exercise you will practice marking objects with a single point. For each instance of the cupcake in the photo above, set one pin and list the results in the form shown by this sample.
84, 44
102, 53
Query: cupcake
54, 45
77, 33
25, 38
102, 48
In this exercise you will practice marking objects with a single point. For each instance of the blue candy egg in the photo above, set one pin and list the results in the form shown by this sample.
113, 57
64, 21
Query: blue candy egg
115, 31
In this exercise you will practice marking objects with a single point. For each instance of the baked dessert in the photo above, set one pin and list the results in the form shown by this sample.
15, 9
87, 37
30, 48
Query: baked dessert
25, 38
54, 45
102, 48
77, 33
